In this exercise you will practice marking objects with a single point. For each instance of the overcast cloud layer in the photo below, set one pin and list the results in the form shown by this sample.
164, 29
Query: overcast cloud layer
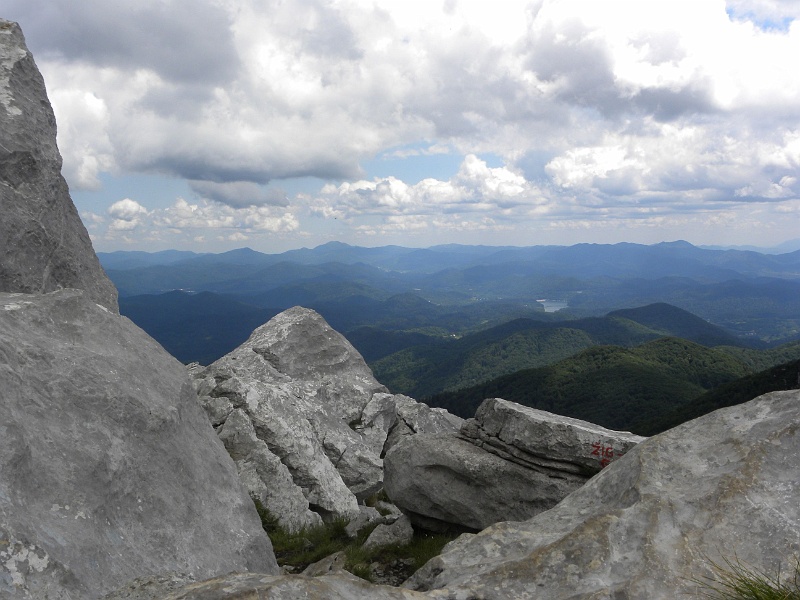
571, 121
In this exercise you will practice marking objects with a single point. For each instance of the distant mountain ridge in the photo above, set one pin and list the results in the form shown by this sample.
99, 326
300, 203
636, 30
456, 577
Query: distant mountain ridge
586, 260
748, 293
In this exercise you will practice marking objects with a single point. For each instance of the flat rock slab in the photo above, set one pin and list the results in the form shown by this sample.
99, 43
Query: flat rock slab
109, 469
726, 485
543, 439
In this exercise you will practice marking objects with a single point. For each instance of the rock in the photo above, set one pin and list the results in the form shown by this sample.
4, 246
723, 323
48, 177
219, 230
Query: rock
544, 440
109, 470
257, 465
414, 417
241, 586
288, 416
315, 405
150, 588
43, 243
330, 564
388, 510
446, 483
509, 463
397, 533
726, 485
366, 516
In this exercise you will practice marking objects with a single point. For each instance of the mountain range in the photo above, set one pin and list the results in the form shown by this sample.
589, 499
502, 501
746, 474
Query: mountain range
748, 293
454, 324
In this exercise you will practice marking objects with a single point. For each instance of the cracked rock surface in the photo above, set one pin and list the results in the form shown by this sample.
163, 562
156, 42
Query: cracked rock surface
305, 420
508, 463
724, 485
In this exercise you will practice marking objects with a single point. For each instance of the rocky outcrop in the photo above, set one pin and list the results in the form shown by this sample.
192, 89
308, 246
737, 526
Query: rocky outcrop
445, 483
108, 468
398, 533
726, 485
43, 244
509, 463
305, 420
545, 441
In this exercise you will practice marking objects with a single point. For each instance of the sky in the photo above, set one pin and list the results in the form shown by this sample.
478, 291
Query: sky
209, 125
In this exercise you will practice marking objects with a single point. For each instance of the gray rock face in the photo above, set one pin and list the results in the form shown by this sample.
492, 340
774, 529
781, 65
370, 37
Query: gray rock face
292, 587
722, 486
108, 468
412, 417
264, 474
43, 243
509, 463
398, 533
315, 407
544, 440
443, 482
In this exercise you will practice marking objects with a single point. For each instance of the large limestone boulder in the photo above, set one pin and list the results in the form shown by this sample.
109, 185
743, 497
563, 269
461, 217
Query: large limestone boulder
43, 243
305, 420
509, 463
445, 483
109, 469
724, 486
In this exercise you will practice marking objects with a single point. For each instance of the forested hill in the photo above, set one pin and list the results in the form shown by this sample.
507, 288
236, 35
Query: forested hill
612, 386
785, 376
450, 364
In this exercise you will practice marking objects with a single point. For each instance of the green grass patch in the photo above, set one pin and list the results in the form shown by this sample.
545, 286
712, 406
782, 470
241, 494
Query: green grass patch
735, 581
406, 559
311, 544
306, 546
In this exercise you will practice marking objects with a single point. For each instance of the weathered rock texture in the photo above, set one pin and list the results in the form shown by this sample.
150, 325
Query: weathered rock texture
509, 463
43, 243
545, 441
244, 586
305, 420
397, 533
726, 485
108, 468
445, 483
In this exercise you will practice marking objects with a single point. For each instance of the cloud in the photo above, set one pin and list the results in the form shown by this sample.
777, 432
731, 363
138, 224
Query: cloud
170, 38
183, 216
239, 194
126, 210
595, 107
475, 188
127, 215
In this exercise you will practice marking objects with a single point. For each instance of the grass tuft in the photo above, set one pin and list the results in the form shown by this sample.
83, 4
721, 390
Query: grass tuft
735, 581
306, 546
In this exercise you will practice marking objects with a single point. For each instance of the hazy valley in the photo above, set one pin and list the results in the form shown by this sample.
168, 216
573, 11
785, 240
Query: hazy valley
645, 330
